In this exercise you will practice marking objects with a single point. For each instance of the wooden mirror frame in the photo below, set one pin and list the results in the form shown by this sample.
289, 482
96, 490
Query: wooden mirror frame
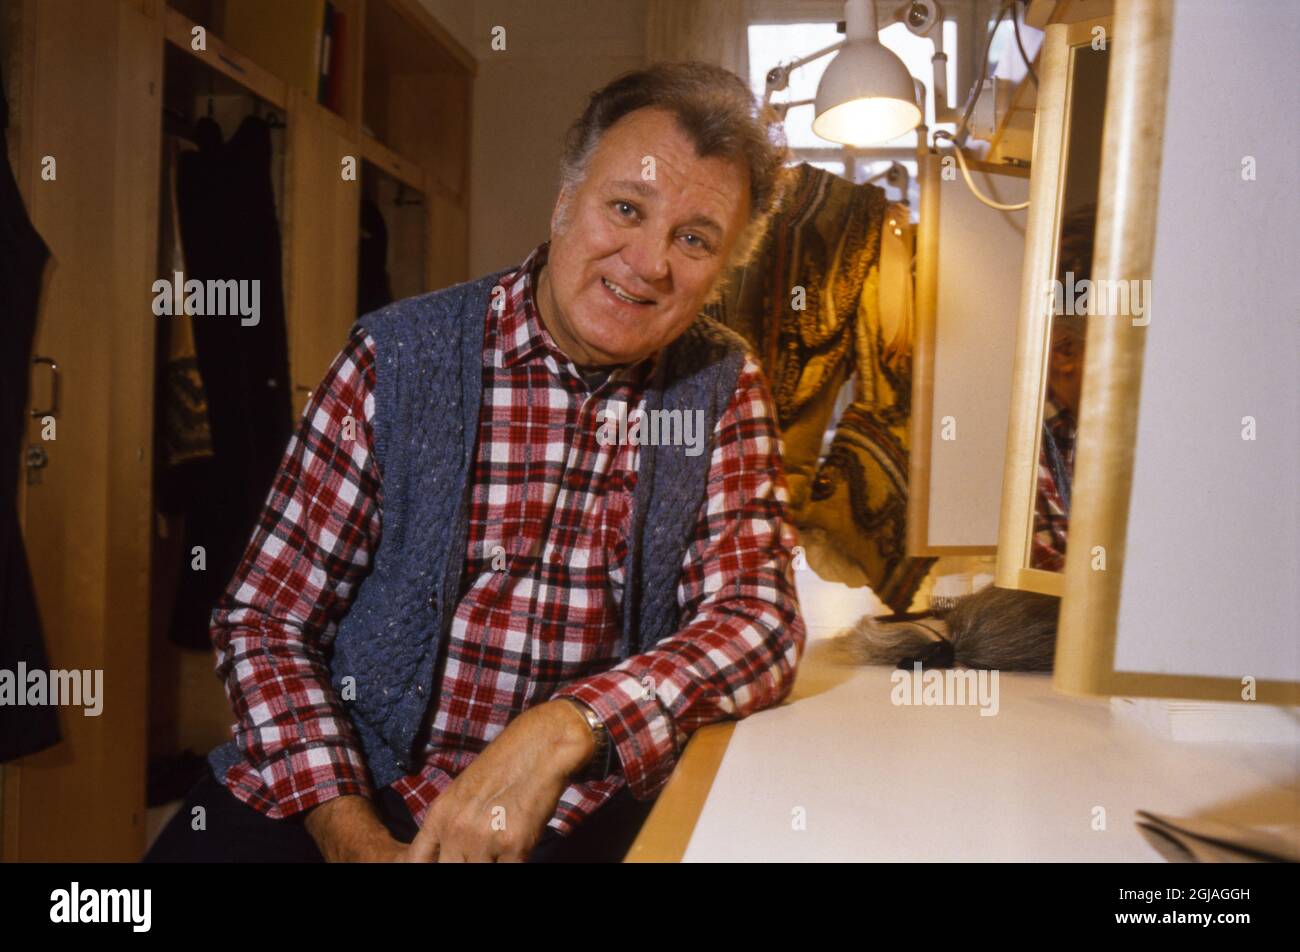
1134, 140
1042, 237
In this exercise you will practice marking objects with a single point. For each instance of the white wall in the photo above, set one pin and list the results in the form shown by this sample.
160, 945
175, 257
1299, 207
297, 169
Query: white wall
980, 259
1211, 567
525, 97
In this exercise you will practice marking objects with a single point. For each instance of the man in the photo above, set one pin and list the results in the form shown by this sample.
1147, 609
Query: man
1056, 444
1064, 388
469, 626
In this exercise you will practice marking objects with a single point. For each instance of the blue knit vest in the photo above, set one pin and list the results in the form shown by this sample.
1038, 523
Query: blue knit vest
428, 389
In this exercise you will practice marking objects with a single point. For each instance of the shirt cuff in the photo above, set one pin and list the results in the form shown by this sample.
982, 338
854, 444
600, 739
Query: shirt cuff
299, 780
640, 730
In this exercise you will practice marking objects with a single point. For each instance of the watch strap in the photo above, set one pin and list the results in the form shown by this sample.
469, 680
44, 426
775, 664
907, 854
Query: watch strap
604, 761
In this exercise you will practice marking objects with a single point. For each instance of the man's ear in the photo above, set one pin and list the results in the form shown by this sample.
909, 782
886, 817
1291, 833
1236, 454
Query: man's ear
560, 200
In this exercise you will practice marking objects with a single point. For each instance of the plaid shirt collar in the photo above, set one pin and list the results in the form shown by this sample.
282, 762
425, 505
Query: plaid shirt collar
1058, 419
522, 336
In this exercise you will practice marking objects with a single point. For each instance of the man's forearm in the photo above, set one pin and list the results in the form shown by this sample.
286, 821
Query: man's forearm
725, 663
348, 830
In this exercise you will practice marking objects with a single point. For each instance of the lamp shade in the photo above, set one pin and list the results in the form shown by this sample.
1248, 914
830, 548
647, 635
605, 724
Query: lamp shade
865, 96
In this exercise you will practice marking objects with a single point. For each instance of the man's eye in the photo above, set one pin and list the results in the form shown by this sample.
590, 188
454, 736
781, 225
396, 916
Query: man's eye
695, 242
624, 209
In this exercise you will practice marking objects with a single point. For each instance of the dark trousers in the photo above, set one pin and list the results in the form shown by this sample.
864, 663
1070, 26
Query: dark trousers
237, 833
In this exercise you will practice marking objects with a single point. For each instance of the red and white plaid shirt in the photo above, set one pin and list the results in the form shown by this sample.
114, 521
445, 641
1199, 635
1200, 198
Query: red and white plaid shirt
538, 615
1051, 502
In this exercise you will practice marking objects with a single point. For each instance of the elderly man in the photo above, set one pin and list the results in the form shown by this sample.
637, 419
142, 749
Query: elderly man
466, 627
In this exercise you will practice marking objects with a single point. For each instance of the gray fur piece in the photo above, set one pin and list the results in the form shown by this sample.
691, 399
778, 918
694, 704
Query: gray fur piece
996, 629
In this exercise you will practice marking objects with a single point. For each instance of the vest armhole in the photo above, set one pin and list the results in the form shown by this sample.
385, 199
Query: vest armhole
379, 421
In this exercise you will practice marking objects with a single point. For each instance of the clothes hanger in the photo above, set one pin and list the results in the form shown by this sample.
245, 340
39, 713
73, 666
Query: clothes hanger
178, 124
272, 117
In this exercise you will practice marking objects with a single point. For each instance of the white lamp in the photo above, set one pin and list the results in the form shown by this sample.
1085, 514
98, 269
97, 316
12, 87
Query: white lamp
866, 94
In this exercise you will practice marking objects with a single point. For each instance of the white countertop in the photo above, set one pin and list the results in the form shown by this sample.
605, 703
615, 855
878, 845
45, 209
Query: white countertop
871, 780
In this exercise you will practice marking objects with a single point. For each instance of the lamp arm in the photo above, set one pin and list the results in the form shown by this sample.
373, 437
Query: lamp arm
812, 57
778, 77
939, 61
925, 19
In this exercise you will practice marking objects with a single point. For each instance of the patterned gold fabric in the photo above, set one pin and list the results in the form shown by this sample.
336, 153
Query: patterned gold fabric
822, 252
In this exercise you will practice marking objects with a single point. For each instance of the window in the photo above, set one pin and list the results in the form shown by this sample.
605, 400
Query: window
773, 43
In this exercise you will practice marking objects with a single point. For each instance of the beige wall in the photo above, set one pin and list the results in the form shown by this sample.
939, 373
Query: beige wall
524, 99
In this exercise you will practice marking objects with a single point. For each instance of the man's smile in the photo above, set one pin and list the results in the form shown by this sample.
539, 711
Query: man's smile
623, 295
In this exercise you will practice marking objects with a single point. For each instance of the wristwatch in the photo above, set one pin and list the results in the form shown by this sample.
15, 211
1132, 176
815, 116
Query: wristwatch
601, 763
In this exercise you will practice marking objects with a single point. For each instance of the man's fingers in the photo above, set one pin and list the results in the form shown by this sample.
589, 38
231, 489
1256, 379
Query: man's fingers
425, 847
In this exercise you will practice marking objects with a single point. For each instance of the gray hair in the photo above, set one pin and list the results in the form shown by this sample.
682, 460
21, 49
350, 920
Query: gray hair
998, 629
714, 108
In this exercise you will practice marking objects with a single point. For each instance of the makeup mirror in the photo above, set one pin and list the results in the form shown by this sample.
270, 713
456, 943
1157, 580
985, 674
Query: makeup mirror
1183, 574
1055, 295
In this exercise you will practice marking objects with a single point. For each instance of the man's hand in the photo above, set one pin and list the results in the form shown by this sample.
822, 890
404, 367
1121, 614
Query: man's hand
497, 808
348, 830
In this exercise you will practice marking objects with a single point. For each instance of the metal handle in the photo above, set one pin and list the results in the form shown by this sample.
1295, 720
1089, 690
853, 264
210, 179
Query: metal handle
54, 388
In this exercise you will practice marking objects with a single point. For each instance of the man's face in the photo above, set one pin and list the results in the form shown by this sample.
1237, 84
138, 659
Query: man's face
662, 241
1065, 367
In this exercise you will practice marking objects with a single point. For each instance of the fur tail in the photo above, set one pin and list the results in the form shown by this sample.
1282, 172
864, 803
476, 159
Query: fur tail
886, 642
1005, 629
996, 628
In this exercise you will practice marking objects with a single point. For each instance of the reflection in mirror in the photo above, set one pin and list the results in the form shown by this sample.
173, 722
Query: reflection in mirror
1071, 295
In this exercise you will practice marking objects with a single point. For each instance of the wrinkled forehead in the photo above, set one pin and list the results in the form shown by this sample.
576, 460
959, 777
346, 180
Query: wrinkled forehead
650, 146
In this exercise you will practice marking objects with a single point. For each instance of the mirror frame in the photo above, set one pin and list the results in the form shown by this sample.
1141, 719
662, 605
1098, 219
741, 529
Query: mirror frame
1042, 237
1134, 139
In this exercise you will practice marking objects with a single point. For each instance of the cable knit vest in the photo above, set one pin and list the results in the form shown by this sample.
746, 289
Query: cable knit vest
428, 374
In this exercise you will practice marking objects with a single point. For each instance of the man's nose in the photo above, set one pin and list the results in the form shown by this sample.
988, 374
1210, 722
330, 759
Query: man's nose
647, 257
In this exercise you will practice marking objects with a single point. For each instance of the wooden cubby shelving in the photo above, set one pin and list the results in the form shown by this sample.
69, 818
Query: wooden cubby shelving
93, 97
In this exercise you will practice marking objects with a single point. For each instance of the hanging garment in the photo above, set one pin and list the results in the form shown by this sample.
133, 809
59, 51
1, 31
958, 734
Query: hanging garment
184, 438
229, 231
374, 289
23, 729
810, 304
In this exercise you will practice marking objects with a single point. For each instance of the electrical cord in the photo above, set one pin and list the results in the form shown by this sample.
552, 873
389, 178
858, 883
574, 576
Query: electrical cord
970, 183
1015, 25
973, 96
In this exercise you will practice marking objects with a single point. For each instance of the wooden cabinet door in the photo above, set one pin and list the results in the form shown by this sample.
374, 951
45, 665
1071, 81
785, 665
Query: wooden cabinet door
322, 211
92, 105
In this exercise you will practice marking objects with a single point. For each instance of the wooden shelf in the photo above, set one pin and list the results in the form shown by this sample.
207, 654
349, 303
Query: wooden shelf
407, 88
416, 92
218, 55
405, 29
404, 170
268, 37
102, 90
